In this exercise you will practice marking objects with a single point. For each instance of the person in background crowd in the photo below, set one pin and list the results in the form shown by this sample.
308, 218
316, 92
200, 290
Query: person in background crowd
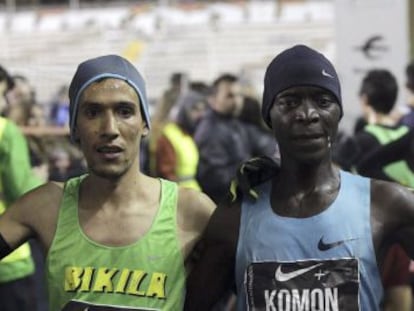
224, 141
378, 95
178, 86
60, 165
17, 283
250, 113
23, 109
91, 226
408, 117
20, 100
398, 153
163, 111
199, 87
300, 232
59, 113
177, 154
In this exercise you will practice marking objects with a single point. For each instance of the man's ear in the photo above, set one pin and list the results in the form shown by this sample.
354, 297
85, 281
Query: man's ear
145, 131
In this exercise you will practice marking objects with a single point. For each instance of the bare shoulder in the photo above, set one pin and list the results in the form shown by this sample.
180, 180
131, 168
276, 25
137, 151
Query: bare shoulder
392, 209
38, 210
195, 207
394, 202
193, 213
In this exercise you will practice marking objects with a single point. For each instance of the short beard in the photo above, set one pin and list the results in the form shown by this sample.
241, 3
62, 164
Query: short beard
112, 176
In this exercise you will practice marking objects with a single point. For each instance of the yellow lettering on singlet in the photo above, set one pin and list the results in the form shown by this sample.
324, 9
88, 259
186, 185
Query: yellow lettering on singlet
123, 281
87, 279
73, 278
135, 282
103, 281
156, 287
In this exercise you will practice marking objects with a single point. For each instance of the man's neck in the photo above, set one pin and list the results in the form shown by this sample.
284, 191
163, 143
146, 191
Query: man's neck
127, 187
308, 176
381, 119
306, 191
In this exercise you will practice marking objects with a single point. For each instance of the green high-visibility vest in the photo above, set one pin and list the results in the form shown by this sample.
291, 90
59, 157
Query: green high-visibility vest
19, 263
186, 153
399, 170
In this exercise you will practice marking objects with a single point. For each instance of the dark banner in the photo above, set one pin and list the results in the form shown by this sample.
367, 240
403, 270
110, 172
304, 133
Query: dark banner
311, 285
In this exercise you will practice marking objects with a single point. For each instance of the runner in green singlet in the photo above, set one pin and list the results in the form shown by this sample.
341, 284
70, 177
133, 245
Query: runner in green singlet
114, 238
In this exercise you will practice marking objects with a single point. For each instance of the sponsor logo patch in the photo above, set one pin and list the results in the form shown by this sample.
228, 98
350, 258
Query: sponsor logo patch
305, 285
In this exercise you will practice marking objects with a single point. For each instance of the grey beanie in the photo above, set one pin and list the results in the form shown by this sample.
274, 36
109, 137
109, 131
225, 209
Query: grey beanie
108, 66
298, 66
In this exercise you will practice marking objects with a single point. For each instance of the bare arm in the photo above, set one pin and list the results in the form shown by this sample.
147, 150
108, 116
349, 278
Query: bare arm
33, 215
213, 274
195, 209
392, 207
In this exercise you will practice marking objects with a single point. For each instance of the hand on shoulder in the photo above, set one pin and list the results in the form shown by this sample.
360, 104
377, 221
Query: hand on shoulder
251, 173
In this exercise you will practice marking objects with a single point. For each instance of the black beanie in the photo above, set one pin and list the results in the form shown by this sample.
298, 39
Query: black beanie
298, 66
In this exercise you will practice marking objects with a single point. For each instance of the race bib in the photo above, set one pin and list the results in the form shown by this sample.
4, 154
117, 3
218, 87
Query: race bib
312, 285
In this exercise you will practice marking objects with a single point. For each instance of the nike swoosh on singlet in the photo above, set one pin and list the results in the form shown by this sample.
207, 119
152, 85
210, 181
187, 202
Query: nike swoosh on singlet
322, 246
286, 276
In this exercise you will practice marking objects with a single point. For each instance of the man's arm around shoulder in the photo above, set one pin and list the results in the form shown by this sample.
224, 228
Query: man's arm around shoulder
213, 273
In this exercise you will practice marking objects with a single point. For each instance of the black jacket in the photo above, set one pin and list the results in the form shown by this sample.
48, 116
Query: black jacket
224, 143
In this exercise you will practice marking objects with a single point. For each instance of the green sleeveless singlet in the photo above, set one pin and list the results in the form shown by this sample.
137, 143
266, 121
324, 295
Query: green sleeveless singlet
149, 274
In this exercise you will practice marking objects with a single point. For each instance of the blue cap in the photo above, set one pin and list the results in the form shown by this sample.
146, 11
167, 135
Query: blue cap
108, 66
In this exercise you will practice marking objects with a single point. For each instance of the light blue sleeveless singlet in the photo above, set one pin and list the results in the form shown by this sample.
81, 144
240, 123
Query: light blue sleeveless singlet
323, 262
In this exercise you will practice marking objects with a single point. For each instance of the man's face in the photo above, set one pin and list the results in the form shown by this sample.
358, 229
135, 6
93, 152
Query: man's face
37, 116
196, 112
305, 122
21, 94
227, 97
109, 126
